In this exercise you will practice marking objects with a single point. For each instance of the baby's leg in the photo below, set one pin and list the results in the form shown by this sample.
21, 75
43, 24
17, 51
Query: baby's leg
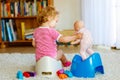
83, 48
90, 51
62, 57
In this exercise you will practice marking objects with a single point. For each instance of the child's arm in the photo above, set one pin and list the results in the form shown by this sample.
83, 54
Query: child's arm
33, 43
66, 39
76, 41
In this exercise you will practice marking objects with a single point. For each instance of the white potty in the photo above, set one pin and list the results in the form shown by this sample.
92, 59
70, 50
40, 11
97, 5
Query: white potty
47, 67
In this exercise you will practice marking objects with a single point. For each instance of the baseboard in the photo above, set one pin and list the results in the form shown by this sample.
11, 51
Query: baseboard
102, 47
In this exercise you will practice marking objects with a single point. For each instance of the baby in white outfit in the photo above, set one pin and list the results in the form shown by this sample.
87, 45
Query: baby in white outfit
85, 42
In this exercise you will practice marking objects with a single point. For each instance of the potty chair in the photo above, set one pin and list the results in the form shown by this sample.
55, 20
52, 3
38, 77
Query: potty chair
88, 67
47, 67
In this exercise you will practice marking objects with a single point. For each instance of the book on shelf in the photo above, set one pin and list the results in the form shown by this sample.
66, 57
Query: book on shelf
22, 8
34, 8
50, 2
44, 3
23, 30
12, 9
29, 37
4, 9
29, 33
12, 30
16, 9
9, 32
3, 28
26, 33
1, 6
39, 6
8, 10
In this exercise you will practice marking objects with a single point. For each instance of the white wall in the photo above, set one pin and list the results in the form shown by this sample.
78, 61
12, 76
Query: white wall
69, 12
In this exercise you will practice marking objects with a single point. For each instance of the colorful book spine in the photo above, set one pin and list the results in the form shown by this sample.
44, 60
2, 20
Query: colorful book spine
29, 36
8, 10
44, 3
23, 30
5, 10
12, 29
3, 31
39, 6
1, 12
16, 8
22, 7
12, 9
25, 9
9, 33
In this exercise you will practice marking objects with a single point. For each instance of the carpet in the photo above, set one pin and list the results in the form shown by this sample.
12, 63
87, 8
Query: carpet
11, 63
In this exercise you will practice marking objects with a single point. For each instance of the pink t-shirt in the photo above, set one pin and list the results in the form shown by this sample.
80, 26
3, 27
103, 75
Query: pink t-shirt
45, 42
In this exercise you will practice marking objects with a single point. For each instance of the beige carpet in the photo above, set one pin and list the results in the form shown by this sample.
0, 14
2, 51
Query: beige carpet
11, 63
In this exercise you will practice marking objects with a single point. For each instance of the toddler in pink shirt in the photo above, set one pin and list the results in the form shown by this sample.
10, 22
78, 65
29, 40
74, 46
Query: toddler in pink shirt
45, 36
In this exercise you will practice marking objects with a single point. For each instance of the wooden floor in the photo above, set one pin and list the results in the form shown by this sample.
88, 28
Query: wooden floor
68, 49
30, 49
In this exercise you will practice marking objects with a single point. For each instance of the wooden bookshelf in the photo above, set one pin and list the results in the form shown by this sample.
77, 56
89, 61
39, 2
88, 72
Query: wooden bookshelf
28, 19
0, 24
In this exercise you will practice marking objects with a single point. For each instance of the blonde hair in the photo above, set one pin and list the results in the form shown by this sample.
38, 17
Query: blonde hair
46, 13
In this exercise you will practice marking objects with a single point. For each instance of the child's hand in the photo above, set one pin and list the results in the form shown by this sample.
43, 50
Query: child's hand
79, 35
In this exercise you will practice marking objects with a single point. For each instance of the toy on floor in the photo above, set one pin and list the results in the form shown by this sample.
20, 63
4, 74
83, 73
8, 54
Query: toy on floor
88, 67
28, 74
68, 73
62, 74
61, 71
19, 75
47, 67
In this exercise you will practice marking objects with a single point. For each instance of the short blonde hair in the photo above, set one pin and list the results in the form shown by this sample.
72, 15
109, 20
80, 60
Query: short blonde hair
46, 13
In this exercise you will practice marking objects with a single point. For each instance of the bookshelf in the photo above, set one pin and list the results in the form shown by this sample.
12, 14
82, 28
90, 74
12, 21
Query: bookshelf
18, 16
0, 24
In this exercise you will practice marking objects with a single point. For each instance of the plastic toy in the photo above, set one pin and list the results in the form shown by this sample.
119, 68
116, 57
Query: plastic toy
47, 67
29, 74
88, 67
68, 73
32, 74
62, 76
26, 74
19, 75
61, 71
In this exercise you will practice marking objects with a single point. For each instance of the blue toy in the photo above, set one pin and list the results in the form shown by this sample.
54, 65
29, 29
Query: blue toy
88, 67
68, 73
20, 75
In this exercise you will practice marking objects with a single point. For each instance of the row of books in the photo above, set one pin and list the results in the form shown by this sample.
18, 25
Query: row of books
12, 33
22, 8
8, 30
26, 34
